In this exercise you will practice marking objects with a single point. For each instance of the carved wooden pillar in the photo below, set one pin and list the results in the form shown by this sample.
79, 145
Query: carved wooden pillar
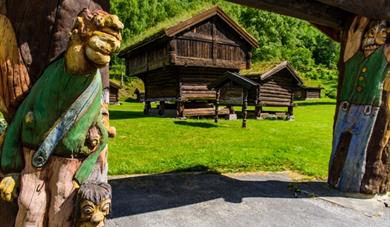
360, 154
49, 55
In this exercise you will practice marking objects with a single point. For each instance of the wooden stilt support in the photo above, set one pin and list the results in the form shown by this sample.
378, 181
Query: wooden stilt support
162, 108
180, 109
244, 108
290, 113
147, 107
216, 106
231, 110
258, 110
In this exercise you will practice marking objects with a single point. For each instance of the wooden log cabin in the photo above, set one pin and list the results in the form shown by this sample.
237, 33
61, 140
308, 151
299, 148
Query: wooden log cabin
312, 92
114, 92
274, 86
233, 89
305, 93
177, 63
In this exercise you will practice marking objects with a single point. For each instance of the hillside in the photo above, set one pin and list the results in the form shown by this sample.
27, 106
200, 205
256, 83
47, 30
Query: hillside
311, 53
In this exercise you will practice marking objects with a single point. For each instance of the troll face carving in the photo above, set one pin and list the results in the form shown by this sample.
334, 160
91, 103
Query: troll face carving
375, 37
95, 36
94, 204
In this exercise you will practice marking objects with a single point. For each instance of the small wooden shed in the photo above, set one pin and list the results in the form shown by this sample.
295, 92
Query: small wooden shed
305, 93
312, 92
178, 62
272, 86
278, 83
114, 92
233, 89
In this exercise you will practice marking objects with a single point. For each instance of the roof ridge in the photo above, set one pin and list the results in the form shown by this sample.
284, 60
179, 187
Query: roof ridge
184, 24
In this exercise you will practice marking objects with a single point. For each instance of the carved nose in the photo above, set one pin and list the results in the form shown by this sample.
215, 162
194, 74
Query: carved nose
97, 218
117, 24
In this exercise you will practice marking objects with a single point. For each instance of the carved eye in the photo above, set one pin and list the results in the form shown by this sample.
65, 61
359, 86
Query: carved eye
88, 210
99, 21
106, 208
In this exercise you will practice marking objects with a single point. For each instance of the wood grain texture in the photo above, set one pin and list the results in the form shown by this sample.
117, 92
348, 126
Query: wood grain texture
42, 30
312, 11
14, 79
55, 192
375, 9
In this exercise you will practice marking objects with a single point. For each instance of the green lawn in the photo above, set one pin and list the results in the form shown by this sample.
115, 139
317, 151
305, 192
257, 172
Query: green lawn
156, 145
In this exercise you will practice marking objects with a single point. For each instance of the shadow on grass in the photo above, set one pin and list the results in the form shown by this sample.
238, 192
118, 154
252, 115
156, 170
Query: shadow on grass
316, 103
120, 114
196, 124
143, 194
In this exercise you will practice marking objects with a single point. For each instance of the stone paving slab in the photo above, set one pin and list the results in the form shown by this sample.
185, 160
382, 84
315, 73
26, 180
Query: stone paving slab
253, 199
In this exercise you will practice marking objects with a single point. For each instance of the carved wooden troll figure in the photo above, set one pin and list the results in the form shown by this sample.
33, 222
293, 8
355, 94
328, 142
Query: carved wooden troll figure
56, 140
364, 92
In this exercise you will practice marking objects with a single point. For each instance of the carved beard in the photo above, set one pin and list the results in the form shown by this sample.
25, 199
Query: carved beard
369, 44
375, 37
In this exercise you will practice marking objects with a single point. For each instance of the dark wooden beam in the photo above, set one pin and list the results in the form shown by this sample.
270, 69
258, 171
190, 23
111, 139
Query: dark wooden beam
309, 10
375, 9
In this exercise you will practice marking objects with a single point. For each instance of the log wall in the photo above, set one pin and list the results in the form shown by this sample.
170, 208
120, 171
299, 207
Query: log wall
278, 90
232, 94
313, 94
152, 58
114, 95
161, 85
212, 43
194, 81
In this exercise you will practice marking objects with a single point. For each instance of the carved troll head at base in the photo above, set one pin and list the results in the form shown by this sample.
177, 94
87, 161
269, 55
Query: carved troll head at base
93, 204
94, 37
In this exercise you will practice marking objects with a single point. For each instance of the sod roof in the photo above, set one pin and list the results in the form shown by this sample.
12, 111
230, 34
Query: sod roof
265, 70
173, 26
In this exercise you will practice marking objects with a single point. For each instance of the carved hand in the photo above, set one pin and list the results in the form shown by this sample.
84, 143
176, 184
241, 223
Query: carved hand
355, 36
8, 189
94, 38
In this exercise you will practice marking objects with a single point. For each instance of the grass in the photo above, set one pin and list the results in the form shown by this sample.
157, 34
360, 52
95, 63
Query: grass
160, 27
157, 145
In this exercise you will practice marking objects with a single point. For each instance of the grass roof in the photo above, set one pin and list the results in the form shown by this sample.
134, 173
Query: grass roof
160, 27
259, 68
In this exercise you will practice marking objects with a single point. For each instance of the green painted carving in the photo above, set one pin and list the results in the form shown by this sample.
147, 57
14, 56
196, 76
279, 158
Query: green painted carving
362, 112
45, 106
56, 141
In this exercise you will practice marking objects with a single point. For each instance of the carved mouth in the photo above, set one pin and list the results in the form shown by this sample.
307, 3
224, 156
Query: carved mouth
112, 32
370, 47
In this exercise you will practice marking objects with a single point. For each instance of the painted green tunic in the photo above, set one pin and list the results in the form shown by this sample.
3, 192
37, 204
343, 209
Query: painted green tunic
47, 101
363, 78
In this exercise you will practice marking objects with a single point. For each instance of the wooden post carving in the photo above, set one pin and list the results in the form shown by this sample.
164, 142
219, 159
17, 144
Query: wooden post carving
56, 141
360, 144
